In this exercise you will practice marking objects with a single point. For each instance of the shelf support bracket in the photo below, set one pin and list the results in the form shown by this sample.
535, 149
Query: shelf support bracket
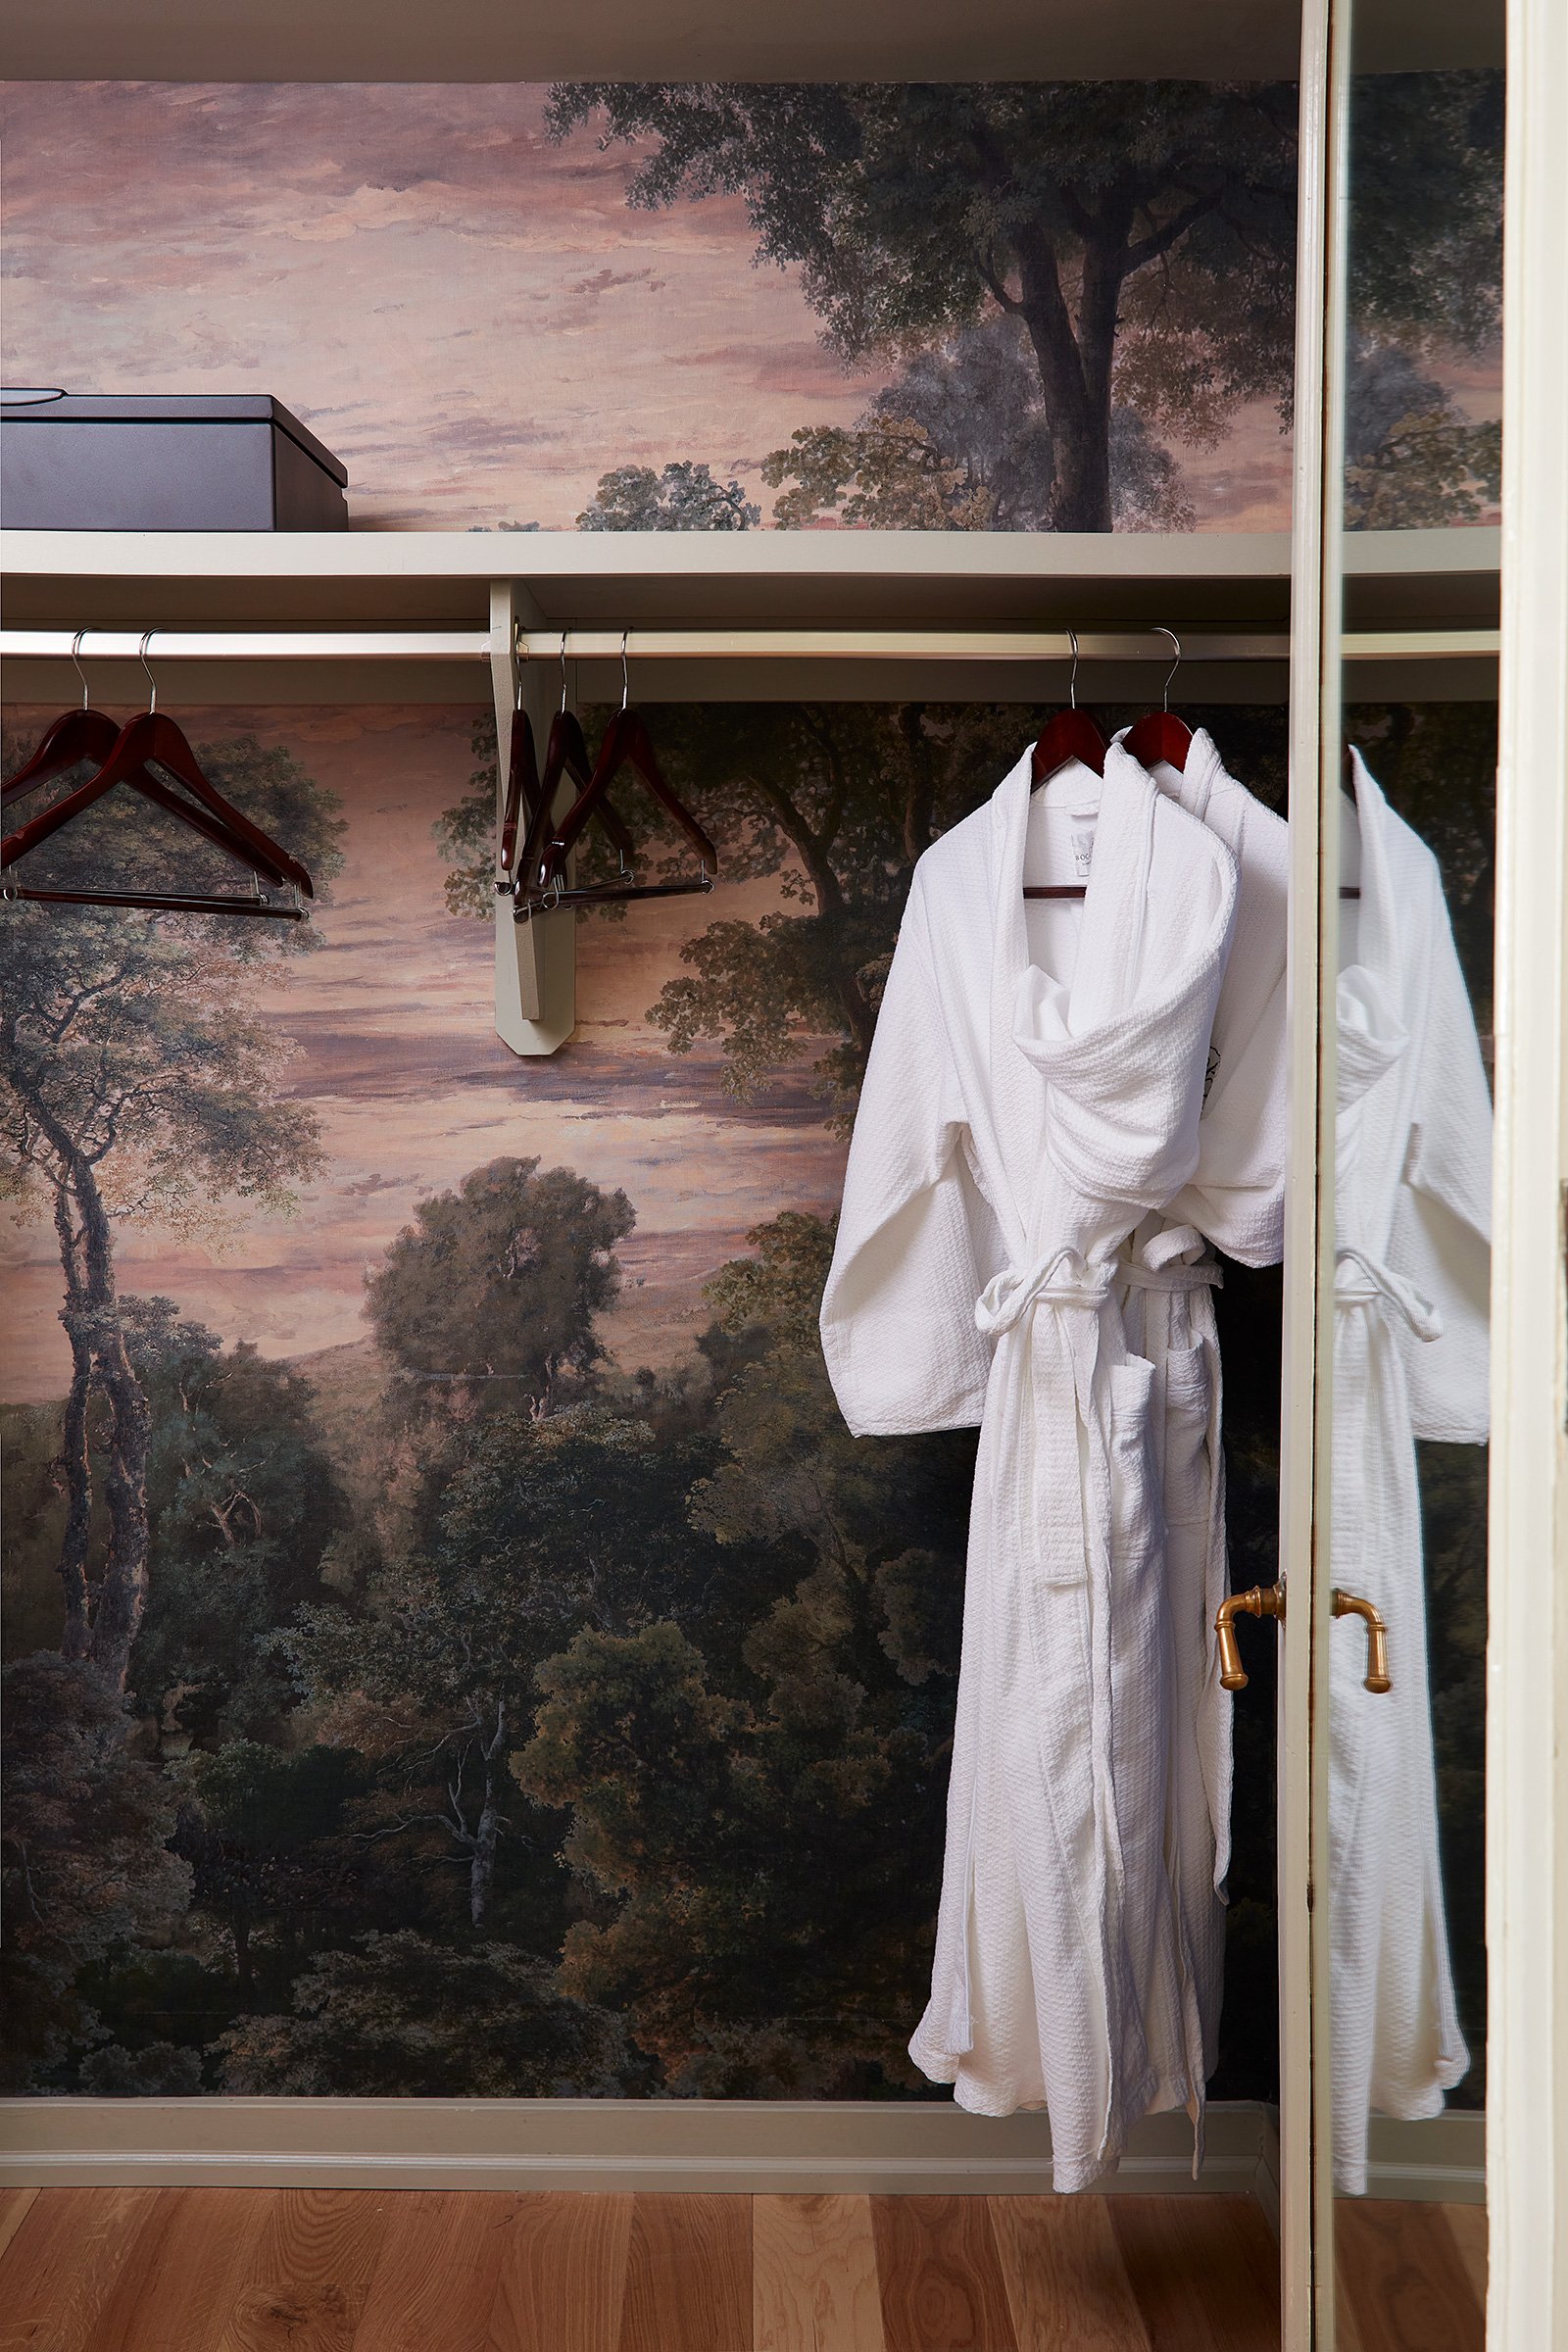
536, 962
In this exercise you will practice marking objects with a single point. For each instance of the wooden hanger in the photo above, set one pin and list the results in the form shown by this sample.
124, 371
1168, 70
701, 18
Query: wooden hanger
88, 734
541, 868
1159, 736
566, 754
152, 739
1069, 735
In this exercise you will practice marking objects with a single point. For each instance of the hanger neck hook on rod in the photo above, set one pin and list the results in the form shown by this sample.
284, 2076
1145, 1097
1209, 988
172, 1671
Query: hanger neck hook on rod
625, 674
1162, 631
152, 683
519, 658
563, 670
75, 664
1072, 682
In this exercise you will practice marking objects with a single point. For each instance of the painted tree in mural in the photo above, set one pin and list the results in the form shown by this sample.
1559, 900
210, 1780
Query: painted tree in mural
961, 440
135, 1083
490, 1294
683, 498
245, 1511
544, 1526
1141, 236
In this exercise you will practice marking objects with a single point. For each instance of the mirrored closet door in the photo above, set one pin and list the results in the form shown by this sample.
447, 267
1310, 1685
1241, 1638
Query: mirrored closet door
1406, 829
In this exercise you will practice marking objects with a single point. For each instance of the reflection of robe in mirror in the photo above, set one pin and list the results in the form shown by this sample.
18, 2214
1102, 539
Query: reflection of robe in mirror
1413, 1161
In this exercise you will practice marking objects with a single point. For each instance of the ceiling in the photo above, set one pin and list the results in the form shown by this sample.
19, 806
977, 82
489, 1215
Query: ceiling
808, 40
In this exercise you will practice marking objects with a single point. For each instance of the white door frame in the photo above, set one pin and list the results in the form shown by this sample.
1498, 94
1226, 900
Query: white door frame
1527, 1647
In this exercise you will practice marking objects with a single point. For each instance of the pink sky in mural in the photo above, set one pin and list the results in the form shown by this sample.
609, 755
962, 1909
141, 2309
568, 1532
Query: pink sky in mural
393, 1014
467, 313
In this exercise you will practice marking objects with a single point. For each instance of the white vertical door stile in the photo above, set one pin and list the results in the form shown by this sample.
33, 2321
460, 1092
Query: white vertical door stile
1308, 1201
1315, 1580
1527, 1642
536, 993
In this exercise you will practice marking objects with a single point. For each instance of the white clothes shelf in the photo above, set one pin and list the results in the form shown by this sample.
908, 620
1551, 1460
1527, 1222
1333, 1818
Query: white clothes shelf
243, 618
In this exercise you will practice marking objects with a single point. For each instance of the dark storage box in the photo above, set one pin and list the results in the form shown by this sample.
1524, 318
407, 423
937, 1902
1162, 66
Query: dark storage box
120, 461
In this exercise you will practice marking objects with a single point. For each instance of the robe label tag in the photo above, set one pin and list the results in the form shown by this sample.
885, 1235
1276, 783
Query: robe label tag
1083, 850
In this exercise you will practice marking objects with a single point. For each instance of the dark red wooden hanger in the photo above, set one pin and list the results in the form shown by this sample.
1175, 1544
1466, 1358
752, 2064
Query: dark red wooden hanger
151, 739
1159, 736
527, 790
1070, 735
542, 865
88, 734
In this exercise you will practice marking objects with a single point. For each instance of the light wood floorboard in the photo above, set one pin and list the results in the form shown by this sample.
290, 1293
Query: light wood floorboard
240, 2270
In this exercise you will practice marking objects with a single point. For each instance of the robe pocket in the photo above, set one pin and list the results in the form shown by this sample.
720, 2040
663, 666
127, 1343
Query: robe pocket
1136, 1512
1188, 1403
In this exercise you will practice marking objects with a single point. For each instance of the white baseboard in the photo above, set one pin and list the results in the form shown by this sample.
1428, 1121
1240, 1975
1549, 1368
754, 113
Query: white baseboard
1443, 2159
761, 2146
767, 2147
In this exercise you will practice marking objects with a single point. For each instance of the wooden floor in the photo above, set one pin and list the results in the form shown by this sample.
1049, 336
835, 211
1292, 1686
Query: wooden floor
240, 2270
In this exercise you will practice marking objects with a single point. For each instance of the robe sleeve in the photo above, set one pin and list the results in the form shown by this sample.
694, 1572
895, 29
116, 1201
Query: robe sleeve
1442, 1235
897, 1313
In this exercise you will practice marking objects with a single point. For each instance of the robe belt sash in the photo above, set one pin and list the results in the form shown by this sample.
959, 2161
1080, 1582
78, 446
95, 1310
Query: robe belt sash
1173, 1263
1371, 1414
1362, 1280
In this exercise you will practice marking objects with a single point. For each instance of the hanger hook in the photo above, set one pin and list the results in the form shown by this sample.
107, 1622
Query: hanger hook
1072, 682
563, 670
152, 683
519, 657
1162, 630
626, 676
76, 650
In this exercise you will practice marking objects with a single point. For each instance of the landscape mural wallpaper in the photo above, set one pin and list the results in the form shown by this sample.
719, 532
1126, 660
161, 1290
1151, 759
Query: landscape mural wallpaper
453, 1645
697, 306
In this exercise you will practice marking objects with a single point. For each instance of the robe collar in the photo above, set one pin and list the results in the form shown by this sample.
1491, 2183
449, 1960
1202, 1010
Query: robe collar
1372, 1035
1119, 1115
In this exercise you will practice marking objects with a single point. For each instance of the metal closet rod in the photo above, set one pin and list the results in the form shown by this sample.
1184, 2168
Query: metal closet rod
656, 644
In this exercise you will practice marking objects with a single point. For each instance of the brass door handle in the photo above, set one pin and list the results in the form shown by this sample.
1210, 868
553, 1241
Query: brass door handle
1263, 1600
1351, 1604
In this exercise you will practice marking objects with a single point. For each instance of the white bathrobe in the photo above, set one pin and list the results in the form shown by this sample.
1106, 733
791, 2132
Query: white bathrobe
1235, 1199
1034, 1089
1413, 1154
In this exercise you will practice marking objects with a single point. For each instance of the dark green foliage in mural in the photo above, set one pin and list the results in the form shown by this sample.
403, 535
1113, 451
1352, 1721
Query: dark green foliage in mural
726, 1818
961, 440
1412, 459
684, 497
492, 1291
1426, 215
541, 1527
244, 1505
273, 1868
83, 1854
398, 2016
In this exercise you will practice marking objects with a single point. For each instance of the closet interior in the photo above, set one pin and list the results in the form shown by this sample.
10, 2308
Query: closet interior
1357, 649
